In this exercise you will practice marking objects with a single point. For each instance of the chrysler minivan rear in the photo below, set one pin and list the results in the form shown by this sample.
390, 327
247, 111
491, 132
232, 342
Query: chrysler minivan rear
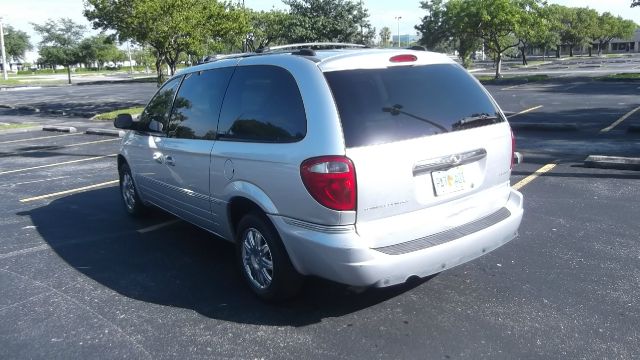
428, 157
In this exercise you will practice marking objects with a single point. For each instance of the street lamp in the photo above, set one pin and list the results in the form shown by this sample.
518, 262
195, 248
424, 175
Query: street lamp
398, 19
4, 56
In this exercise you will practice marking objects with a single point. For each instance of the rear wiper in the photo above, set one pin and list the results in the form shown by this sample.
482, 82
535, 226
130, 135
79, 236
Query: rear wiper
474, 121
395, 110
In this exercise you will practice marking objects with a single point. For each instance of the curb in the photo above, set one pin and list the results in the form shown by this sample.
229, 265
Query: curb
105, 132
612, 162
543, 126
68, 129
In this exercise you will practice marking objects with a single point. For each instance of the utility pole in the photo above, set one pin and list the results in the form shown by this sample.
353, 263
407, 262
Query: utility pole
4, 56
361, 25
398, 19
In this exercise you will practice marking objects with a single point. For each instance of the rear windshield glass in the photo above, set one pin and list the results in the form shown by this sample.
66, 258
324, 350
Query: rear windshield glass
378, 106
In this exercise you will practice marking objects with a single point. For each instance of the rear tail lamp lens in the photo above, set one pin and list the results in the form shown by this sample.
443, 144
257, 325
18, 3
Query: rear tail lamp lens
331, 181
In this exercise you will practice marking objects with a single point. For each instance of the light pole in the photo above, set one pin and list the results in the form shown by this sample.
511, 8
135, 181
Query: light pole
129, 52
398, 19
4, 56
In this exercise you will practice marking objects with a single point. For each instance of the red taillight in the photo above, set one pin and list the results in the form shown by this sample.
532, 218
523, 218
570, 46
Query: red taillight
513, 149
403, 58
331, 180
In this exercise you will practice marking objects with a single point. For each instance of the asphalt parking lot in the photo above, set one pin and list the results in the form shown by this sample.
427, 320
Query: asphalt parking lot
80, 279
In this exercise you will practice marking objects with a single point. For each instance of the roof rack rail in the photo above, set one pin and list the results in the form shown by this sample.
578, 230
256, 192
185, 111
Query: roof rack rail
303, 49
314, 46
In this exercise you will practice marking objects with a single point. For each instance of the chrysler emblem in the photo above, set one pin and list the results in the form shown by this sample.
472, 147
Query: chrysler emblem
455, 159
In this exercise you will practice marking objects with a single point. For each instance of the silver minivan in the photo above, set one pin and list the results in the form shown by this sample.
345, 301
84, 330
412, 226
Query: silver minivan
364, 166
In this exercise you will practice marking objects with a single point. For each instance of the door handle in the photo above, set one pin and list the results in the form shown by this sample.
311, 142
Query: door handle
157, 156
169, 160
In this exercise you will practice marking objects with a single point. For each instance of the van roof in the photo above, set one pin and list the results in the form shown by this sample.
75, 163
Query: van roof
339, 56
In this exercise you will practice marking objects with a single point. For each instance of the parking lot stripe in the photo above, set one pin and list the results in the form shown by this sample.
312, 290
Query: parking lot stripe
46, 148
520, 184
525, 111
71, 191
56, 164
35, 181
37, 138
617, 122
158, 226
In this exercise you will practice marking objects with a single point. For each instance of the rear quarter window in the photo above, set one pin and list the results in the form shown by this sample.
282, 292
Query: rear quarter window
379, 106
262, 104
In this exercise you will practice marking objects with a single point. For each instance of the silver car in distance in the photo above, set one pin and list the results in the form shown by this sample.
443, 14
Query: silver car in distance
363, 166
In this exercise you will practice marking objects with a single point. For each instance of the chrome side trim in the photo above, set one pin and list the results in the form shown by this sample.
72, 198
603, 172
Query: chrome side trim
182, 191
337, 229
449, 161
447, 235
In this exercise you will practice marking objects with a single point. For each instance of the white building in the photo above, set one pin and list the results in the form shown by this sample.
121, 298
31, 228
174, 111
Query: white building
619, 46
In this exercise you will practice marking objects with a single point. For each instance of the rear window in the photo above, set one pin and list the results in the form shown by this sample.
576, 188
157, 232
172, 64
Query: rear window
379, 106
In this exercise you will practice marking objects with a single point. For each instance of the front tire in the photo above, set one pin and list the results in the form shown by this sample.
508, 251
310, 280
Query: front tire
264, 261
129, 193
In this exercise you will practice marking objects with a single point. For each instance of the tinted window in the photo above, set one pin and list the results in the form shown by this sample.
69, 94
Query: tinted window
262, 104
156, 115
197, 106
385, 105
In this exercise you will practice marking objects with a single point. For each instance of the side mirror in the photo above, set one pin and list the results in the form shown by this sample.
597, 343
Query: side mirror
123, 121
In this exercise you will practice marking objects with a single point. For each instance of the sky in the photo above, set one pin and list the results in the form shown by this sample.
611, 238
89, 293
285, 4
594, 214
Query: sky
20, 14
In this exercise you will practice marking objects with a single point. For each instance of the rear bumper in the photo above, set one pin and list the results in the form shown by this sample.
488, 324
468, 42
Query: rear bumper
338, 254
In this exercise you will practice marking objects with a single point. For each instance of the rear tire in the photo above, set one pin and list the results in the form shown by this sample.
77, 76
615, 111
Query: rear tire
263, 260
132, 202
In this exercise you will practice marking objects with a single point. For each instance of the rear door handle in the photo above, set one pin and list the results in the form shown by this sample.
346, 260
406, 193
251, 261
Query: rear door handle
169, 160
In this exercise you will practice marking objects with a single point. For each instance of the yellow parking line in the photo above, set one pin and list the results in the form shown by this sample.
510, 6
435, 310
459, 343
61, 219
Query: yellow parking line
56, 164
525, 111
520, 184
38, 138
617, 122
80, 189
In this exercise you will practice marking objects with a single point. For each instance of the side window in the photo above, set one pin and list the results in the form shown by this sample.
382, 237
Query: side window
197, 106
156, 115
263, 104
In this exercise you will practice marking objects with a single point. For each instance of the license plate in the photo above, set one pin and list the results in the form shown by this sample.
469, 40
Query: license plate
450, 181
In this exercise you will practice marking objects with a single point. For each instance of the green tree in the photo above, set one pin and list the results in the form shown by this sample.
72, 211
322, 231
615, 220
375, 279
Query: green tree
610, 27
60, 42
16, 44
435, 29
267, 28
494, 22
460, 21
99, 49
143, 56
532, 27
328, 20
385, 36
576, 26
547, 35
170, 27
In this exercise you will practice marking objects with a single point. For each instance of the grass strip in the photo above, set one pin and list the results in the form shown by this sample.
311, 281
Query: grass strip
620, 77
7, 126
491, 80
111, 115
